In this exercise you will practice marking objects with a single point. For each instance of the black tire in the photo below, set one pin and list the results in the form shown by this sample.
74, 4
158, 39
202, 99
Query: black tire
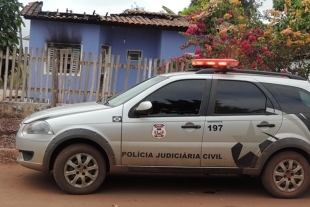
79, 169
286, 175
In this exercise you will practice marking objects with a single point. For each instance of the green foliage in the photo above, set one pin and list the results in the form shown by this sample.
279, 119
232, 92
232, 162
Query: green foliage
167, 10
137, 7
195, 3
250, 6
193, 7
294, 14
189, 10
278, 4
234, 29
10, 22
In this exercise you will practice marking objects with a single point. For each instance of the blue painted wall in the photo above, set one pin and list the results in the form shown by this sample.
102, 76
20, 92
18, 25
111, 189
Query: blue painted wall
105, 36
132, 38
155, 44
122, 39
87, 35
43, 31
171, 43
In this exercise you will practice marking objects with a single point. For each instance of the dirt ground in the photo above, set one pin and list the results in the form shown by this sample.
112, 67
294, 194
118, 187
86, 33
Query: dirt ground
20, 186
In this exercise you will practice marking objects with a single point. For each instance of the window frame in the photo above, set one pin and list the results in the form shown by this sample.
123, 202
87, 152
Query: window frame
203, 103
58, 45
272, 88
213, 97
128, 54
109, 53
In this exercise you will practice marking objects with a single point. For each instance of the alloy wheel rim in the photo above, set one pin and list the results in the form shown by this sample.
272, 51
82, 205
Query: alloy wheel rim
288, 175
81, 170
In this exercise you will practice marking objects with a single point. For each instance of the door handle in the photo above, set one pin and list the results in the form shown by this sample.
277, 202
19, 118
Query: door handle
265, 125
191, 127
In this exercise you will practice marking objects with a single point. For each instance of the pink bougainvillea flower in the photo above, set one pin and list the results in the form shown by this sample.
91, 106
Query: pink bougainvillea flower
259, 61
231, 12
224, 37
252, 37
241, 67
234, 41
254, 66
245, 45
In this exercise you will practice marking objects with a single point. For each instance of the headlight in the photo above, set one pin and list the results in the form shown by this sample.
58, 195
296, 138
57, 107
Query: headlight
37, 127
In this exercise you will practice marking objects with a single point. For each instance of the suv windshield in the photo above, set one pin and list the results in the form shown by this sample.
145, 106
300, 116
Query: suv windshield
132, 92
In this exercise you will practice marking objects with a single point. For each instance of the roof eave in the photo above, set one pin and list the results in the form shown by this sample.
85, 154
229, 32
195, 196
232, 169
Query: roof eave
112, 23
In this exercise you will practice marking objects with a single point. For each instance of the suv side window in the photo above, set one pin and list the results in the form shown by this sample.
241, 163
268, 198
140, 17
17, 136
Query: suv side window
239, 98
292, 99
180, 98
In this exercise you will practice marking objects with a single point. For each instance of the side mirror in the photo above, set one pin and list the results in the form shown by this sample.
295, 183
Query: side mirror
144, 108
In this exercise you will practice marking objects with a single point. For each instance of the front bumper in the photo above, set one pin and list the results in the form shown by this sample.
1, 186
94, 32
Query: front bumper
31, 149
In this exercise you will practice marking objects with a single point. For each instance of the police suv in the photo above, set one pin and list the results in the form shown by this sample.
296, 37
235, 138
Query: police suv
211, 120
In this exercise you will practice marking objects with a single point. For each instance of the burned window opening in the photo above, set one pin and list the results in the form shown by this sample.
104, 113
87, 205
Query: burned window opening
66, 56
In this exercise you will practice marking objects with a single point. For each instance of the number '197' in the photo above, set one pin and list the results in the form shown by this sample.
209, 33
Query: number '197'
215, 128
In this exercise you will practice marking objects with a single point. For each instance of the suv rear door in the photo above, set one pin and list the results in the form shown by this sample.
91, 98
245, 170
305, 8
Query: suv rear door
241, 116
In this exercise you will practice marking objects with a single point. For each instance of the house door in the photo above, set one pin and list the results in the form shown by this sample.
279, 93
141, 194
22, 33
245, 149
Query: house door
106, 51
106, 71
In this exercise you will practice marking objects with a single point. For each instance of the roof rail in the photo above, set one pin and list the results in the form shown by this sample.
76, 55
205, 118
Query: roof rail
226, 70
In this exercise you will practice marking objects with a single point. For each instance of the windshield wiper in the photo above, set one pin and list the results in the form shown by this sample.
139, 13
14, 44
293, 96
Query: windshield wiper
99, 101
106, 102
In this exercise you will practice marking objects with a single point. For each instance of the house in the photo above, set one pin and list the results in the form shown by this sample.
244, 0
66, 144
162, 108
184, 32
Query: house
134, 34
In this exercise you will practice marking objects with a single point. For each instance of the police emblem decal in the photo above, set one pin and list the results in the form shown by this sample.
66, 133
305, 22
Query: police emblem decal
117, 119
159, 130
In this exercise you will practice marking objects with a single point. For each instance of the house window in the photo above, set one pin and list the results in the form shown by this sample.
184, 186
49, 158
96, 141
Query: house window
106, 50
106, 54
134, 54
66, 56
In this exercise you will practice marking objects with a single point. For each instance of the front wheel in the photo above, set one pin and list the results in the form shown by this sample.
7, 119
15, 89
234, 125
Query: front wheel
79, 169
286, 175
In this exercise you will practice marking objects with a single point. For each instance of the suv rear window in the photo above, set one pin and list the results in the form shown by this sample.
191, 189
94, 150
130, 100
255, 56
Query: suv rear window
239, 97
292, 100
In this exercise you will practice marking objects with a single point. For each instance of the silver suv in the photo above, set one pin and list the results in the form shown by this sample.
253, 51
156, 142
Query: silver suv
212, 120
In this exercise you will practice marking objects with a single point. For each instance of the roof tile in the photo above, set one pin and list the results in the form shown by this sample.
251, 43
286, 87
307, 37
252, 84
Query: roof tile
142, 18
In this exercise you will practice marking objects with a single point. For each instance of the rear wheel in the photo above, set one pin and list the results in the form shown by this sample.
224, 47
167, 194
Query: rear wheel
286, 175
79, 169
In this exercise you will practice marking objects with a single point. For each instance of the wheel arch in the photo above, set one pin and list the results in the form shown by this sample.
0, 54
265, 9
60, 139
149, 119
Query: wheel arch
74, 136
287, 144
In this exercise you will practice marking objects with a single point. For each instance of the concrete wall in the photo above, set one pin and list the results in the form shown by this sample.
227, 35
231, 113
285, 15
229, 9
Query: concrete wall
20, 109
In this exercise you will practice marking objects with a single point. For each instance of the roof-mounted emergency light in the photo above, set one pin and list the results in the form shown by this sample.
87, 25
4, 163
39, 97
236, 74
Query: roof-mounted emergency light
215, 63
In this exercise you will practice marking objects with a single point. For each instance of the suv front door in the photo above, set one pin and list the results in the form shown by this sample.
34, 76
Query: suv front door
241, 119
171, 134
